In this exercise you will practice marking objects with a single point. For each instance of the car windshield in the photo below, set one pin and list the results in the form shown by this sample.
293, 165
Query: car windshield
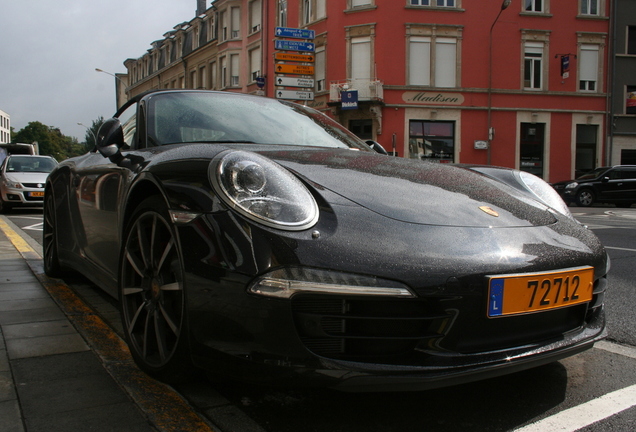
30, 164
232, 118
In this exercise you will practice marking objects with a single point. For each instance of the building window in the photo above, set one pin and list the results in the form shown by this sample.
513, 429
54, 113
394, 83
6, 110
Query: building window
433, 61
360, 3
255, 16
590, 7
313, 10
630, 100
534, 6
224, 25
533, 66
438, 3
432, 141
213, 76
224, 72
255, 64
320, 70
361, 58
588, 68
202, 77
234, 70
236, 23
282, 13
631, 40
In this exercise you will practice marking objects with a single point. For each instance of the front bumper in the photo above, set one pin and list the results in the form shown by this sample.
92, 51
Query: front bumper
23, 197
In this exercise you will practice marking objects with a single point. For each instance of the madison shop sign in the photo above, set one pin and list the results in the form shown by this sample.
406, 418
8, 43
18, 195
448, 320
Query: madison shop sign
433, 98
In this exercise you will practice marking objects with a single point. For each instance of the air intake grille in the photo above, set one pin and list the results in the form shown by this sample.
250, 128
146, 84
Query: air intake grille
367, 329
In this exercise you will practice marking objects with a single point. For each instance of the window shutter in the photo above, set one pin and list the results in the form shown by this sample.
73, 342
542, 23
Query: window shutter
420, 61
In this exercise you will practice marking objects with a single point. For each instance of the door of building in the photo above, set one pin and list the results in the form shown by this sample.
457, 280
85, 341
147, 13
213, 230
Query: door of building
531, 150
585, 149
363, 129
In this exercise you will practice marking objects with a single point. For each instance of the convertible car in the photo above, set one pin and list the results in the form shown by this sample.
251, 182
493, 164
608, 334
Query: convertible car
257, 239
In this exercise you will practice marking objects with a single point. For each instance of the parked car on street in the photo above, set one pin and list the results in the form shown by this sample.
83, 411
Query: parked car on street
613, 185
257, 239
22, 179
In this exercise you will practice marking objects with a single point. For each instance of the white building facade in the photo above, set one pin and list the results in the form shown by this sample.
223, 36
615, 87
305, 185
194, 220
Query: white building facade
5, 127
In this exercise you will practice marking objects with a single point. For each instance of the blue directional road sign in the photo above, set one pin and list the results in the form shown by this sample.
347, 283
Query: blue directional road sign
287, 45
295, 33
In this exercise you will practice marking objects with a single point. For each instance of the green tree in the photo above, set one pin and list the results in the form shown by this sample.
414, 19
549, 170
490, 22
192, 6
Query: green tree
91, 133
51, 141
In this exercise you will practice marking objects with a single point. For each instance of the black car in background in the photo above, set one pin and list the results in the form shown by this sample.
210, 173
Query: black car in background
614, 185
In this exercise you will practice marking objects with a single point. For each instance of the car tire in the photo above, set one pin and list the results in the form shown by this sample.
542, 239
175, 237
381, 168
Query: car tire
152, 295
51, 260
585, 198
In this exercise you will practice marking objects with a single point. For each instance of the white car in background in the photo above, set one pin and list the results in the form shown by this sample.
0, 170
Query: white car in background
22, 180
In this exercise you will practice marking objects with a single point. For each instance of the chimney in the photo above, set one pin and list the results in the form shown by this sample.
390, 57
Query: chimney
200, 7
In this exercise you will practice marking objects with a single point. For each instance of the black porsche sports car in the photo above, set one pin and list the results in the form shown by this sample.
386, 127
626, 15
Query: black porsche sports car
259, 240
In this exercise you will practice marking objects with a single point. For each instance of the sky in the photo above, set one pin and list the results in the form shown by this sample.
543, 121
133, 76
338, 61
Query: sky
49, 50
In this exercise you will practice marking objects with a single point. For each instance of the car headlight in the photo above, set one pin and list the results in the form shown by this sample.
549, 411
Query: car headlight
571, 185
13, 184
262, 190
544, 192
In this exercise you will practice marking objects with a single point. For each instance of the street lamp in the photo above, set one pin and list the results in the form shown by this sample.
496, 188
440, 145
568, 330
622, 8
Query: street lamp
491, 130
90, 130
113, 75
117, 87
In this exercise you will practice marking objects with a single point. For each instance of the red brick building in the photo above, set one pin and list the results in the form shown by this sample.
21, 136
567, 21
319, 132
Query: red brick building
437, 80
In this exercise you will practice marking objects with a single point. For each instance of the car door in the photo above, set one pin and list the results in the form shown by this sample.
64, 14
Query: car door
99, 186
627, 188
614, 186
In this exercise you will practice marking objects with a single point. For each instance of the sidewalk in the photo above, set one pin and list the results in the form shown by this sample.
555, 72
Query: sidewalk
61, 367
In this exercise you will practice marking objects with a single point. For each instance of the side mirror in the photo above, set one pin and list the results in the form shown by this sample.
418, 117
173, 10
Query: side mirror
605, 179
110, 139
376, 146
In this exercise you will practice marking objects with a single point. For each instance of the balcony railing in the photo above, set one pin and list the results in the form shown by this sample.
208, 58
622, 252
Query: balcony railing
368, 90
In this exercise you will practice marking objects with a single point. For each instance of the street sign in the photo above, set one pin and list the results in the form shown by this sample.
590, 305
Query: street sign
294, 82
287, 45
294, 57
294, 33
293, 69
349, 99
294, 95
260, 82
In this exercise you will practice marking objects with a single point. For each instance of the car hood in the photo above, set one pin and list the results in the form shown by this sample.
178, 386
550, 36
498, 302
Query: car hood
27, 177
414, 191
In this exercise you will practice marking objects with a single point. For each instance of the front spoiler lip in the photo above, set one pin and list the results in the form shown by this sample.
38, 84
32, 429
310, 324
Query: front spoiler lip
417, 379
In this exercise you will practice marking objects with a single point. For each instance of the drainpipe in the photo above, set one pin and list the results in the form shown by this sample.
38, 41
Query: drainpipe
610, 86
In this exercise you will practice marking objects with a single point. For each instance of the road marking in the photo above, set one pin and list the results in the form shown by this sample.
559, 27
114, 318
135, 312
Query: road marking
623, 249
595, 410
583, 415
35, 227
616, 348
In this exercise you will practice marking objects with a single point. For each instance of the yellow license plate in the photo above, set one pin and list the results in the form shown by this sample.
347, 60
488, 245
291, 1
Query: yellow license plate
36, 194
536, 292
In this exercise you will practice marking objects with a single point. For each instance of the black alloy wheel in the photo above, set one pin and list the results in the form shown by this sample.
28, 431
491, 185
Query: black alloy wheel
585, 198
151, 293
49, 237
